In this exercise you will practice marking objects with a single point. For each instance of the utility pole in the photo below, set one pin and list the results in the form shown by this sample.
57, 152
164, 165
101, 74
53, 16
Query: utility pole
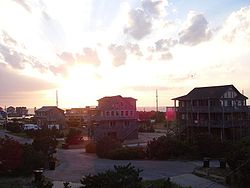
157, 105
56, 98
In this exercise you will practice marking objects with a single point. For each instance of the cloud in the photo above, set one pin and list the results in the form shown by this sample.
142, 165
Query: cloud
166, 56
156, 8
165, 44
7, 39
237, 26
195, 30
148, 88
119, 54
12, 82
140, 24
89, 56
13, 58
67, 57
23, 4
134, 49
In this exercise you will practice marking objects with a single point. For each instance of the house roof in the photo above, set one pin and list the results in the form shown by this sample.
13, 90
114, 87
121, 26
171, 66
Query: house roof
116, 96
211, 92
47, 108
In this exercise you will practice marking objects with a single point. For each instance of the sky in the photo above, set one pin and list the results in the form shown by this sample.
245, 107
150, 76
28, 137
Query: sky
89, 49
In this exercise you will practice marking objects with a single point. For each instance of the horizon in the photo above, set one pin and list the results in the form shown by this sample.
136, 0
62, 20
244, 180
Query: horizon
85, 51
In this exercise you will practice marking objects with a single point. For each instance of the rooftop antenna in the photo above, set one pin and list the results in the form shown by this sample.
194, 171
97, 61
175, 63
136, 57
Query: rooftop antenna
56, 98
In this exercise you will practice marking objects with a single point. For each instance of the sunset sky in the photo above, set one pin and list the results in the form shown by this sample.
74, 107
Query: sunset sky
88, 49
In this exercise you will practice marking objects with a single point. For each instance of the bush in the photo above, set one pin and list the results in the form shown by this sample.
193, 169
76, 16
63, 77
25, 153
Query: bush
14, 127
238, 160
127, 153
122, 176
73, 136
18, 159
208, 146
167, 148
11, 153
90, 147
106, 145
45, 144
31, 160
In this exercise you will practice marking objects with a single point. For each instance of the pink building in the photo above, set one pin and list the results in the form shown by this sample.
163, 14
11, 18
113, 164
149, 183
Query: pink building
117, 118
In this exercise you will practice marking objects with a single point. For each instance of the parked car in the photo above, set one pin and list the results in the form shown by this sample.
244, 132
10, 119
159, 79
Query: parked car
31, 127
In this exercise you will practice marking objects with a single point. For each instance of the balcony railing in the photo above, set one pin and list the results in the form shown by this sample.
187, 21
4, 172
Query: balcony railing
216, 123
213, 109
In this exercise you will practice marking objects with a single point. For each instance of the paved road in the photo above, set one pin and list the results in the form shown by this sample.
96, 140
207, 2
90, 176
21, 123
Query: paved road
19, 139
76, 163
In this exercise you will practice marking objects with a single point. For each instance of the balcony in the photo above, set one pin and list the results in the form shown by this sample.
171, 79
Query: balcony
213, 109
216, 123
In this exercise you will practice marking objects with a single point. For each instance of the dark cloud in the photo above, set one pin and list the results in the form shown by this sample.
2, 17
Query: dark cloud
89, 56
13, 58
119, 54
152, 7
165, 44
140, 24
13, 82
196, 30
134, 49
24, 5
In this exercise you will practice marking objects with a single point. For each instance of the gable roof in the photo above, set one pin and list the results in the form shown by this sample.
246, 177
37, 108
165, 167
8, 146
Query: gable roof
47, 108
211, 92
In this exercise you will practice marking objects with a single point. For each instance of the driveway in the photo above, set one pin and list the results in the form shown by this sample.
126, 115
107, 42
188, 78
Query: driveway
75, 163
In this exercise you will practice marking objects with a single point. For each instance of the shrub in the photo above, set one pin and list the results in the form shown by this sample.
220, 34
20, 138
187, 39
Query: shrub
208, 146
45, 144
11, 153
90, 147
18, 159
127, 153
31, 160
166, 148
73, 136
106, 145
14, 127
122, 176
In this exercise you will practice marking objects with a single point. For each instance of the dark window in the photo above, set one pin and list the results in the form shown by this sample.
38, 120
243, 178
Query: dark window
126, 113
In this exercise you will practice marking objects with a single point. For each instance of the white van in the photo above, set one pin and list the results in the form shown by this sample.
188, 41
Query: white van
31, 127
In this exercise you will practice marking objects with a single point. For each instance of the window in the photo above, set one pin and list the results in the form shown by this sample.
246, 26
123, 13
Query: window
117, 113
121, 113
126, 123
131, 113
239, 103
225, 103
112, 113
126, 113
107, 113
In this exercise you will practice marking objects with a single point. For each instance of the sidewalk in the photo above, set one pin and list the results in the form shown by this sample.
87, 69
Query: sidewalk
194, 181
